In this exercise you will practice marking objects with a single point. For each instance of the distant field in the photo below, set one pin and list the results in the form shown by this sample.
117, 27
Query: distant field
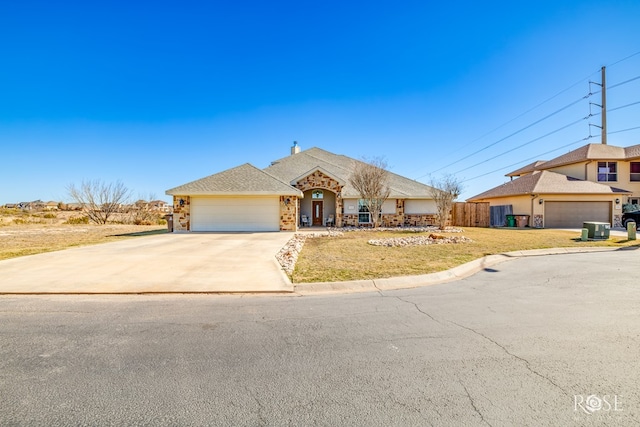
20, 240
26, 233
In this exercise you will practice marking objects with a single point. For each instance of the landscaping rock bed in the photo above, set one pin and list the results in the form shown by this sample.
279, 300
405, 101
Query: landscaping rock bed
288, 255
432, 239
430, 229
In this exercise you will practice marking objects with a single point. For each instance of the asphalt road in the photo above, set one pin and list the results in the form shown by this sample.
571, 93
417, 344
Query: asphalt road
551, 340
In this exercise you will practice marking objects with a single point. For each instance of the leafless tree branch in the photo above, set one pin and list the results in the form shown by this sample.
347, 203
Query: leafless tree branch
444, 192
370, 179
99, 200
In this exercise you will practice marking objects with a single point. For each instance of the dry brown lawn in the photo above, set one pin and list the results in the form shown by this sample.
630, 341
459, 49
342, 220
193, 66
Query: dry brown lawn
351, 258
29, 239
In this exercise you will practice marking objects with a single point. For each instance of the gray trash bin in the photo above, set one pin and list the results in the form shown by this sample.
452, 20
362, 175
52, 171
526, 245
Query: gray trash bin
169, 218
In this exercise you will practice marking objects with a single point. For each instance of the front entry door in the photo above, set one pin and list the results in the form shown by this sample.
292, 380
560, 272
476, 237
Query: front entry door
317, 213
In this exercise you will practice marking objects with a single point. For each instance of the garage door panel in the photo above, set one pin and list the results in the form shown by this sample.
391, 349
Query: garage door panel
574, 214
235, 214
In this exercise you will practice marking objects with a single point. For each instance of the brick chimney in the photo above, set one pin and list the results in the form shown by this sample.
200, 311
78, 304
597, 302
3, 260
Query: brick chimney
295, 149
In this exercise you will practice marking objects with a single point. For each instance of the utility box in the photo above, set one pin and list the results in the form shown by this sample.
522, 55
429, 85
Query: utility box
597, 230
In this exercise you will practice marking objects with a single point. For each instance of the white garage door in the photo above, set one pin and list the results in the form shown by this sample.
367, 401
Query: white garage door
235, 214
573, 214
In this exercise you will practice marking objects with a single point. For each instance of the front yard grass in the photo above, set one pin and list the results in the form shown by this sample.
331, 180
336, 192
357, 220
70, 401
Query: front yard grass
350, 257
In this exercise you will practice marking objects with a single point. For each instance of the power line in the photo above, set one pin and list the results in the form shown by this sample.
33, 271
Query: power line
515, 118
551, 133
544, 118
531, 158
624, 59
547, 152
508, 136
623, 83
625, 130
622, 106
522, 145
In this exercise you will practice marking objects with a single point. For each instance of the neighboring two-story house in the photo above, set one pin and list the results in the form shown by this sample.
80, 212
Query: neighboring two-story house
590, 183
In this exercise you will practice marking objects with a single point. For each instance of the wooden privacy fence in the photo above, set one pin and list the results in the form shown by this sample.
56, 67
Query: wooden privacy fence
471, 215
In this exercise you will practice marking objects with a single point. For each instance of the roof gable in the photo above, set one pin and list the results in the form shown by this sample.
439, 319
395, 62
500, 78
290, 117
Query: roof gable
314, 170
296, 166
243, 180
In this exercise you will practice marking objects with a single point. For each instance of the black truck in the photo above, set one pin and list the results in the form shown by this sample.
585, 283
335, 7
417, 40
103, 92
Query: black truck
628, 217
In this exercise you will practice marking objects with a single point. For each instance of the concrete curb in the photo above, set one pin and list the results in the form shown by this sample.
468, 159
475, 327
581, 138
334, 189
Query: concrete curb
456, 273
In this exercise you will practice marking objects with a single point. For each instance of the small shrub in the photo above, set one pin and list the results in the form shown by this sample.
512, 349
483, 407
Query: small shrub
78, 220
19, 221
162, 221
50, 216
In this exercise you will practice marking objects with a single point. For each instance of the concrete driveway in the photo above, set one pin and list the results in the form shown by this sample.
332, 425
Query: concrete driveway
193, 262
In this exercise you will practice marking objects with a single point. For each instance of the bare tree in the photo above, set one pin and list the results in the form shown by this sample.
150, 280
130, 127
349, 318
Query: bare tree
444, 192
370, 179
99, 200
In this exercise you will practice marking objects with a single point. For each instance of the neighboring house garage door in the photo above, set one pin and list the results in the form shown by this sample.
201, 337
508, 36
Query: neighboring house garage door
235, 214
573, 214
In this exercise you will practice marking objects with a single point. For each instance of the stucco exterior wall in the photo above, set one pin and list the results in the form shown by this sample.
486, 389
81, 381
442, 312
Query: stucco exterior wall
420, 206
577, 170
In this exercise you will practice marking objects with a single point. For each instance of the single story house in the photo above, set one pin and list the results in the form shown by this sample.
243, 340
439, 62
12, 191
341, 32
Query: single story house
590, 183
311, 185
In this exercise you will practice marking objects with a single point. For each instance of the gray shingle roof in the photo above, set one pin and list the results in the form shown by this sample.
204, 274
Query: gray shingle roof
583, 154
340, 167
245, 180
281, 175
528, 168
546, 182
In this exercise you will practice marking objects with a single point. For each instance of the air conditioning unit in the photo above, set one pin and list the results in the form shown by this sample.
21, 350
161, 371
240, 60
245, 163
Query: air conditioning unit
597, 230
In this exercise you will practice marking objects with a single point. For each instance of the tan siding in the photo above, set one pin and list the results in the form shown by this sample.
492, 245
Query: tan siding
574, 171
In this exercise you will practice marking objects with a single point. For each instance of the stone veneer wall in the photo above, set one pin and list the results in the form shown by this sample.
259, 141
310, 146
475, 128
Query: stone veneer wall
289, 213
323, 181
399, 219
181, 214
349, 220
538, 221
421, 220
617, 221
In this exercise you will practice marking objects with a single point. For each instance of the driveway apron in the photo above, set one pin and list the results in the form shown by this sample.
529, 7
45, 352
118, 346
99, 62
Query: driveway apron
190, 262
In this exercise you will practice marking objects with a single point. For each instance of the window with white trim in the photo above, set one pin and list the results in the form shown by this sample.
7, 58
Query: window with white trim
635, 171
607, 171
364, 216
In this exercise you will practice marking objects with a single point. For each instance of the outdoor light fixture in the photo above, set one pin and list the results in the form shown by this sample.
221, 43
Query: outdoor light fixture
181, 202
287, 201
541, 201
617, 201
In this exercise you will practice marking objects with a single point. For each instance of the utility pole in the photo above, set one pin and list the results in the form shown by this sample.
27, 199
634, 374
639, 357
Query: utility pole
604, 107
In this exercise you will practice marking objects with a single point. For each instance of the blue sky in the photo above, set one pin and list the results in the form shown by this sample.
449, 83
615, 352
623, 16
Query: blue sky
156, 94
